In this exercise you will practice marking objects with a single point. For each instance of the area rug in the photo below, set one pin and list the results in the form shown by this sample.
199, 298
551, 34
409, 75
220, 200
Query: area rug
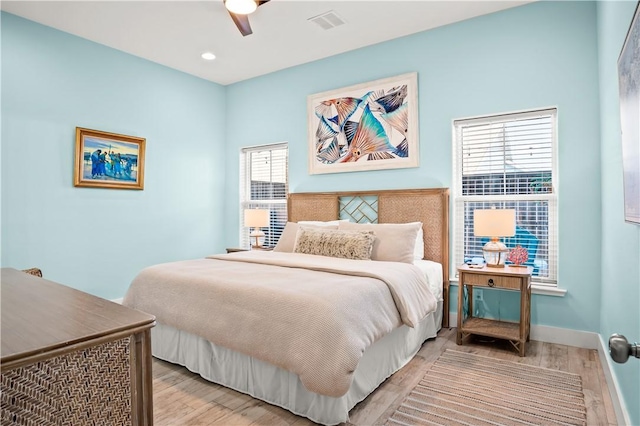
468, 389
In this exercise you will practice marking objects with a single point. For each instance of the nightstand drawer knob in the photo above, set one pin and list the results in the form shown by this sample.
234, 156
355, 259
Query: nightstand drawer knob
490, 283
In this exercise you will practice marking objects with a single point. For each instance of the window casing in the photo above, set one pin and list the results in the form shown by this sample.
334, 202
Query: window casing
509, 161
264, 185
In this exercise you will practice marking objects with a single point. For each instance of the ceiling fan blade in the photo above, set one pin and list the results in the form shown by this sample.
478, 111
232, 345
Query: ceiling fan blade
242, 22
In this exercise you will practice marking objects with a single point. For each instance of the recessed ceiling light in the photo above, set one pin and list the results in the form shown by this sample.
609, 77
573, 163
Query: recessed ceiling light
208, 56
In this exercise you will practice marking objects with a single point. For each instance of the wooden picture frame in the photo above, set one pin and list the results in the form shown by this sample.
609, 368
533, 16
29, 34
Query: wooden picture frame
629, 86
368, 126
108, 160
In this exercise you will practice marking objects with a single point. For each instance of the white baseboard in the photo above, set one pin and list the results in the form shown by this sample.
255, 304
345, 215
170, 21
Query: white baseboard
579, 339
622, 415
117, 300
565, 336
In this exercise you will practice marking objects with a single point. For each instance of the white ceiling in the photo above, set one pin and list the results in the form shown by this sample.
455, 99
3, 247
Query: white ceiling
176, 33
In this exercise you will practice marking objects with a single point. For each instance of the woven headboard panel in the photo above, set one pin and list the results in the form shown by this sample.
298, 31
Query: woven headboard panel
429, 206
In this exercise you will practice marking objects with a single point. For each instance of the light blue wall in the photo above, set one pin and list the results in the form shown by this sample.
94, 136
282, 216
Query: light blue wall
620, 292
544, 54
539, 55
96, 240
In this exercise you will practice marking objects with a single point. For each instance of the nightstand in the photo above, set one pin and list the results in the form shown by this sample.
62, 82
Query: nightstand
236, 249
507, 278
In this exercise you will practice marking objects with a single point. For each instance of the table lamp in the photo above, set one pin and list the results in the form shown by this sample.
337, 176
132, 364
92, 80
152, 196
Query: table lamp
256, 218
494, 223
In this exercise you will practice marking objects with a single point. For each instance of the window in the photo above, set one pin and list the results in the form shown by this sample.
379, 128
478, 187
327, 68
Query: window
263, 185
508, 161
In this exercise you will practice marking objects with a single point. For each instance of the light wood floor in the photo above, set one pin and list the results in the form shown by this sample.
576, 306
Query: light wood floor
184, 398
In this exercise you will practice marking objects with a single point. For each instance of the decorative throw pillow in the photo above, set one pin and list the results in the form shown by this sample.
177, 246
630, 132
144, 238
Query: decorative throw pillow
395, 242
288, 237
355, 245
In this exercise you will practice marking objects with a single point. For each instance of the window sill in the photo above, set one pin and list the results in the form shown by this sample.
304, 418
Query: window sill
548, 291
535, 289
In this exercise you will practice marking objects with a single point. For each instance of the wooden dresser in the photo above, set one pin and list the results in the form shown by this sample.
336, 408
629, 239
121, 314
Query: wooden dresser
70, 358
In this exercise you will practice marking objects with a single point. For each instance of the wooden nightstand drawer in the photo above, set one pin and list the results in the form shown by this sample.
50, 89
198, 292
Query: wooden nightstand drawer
492, 281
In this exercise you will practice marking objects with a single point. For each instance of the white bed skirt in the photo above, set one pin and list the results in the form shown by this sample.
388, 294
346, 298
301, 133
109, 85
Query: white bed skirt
283, 388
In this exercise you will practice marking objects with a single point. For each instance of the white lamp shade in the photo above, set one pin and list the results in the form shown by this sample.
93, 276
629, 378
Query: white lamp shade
256, 218
241, 7
494, 223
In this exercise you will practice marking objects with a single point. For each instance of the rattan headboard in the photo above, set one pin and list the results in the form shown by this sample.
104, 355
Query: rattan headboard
429, 206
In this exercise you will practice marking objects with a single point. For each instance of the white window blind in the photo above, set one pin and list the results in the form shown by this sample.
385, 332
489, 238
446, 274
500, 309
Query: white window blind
264, 185
508, 161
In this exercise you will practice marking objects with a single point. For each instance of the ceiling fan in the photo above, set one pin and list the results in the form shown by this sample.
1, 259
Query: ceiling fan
240, 10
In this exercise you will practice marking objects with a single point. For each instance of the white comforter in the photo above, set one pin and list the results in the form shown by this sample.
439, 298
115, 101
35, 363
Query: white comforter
312, 315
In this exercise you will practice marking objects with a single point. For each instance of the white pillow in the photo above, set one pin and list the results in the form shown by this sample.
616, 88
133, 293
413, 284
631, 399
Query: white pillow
287, 240
418, 252
321, 223
395, 242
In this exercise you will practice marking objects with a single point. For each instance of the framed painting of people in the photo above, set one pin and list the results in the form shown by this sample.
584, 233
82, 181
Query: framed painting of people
108, 160
629, 85
368, 126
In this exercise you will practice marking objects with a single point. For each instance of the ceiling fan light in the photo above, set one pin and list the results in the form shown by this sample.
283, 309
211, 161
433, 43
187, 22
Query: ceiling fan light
241, 7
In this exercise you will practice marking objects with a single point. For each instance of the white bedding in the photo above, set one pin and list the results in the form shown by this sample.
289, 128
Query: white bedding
226, 363
283, 388
433, 273
312, 315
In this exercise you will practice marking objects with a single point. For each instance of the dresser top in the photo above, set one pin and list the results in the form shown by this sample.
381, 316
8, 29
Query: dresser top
39, 315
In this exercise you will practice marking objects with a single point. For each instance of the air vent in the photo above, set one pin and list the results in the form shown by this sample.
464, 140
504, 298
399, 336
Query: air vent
327, 20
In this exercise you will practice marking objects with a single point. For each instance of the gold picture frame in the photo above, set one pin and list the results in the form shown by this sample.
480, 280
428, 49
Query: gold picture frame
108, 160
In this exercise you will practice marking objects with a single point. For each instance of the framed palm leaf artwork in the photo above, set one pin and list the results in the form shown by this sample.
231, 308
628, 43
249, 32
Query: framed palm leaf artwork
629, 84
368, 126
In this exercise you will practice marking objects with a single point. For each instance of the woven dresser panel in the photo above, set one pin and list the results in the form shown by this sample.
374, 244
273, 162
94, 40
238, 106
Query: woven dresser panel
87, 387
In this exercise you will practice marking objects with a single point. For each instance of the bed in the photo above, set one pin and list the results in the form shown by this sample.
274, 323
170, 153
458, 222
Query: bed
306, 359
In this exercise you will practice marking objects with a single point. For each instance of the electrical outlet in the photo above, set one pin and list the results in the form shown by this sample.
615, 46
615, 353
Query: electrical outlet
478, 296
